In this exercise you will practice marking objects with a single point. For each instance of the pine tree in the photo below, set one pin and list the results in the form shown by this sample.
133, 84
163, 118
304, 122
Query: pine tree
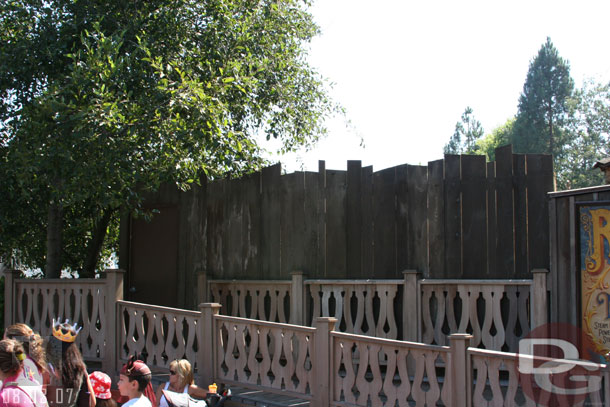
467, 132
543, 107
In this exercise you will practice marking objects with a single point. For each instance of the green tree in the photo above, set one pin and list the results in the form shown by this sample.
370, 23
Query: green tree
500, 136
589, 126
543, 104
111, 98
467, 132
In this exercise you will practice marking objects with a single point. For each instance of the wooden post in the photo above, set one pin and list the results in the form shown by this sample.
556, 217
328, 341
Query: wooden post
9, 295
411, 306
458, 371
321, 390
297, 296
202, 287
538, 300
206, 358
114, 293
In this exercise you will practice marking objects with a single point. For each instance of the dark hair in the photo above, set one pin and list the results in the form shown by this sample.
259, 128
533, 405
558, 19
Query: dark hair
67, 362
11, 356
105, 402
31, 341
142, 380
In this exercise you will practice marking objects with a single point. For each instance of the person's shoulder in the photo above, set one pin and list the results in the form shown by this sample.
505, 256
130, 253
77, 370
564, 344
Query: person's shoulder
129, 402
12, 396
143, 402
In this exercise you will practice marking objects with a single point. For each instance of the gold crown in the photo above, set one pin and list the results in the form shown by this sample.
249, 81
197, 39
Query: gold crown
70, 335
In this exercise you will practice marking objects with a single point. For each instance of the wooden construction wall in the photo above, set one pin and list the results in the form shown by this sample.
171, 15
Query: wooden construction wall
458, 217
564, 278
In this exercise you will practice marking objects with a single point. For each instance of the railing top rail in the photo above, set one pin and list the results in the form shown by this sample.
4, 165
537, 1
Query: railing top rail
264, 323
377, 281
390, 342
508, 355
158, 308
251, 282
354, 282
474, 282
69, 281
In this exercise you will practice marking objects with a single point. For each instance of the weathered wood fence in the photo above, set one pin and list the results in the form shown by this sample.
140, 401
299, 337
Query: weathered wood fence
455, 218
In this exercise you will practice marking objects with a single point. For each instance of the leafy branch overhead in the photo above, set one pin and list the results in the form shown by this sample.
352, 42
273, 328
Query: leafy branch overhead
114, 98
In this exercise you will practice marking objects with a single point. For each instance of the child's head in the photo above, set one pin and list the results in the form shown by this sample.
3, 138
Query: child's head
64, 355
134, 380
11, 356
31, 341
181, 371
101, 387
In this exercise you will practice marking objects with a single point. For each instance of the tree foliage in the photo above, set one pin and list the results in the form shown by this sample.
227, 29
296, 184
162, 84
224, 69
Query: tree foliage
589, 126
500, 136
467, 132
543, 104
112, 98
553, 118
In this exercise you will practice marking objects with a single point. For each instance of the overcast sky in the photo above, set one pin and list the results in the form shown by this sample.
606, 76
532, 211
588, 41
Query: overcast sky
405, 71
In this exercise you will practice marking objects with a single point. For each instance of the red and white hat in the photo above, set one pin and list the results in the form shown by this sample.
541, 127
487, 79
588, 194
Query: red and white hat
100, 382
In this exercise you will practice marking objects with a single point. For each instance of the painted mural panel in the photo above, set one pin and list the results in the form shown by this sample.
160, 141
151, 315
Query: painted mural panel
594, 225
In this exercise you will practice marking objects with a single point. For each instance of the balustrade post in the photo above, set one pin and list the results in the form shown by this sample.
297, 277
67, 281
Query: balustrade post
114, 293
322, 361
538, 300
297, 298
10, 299
411, 306
459, 369
207, 350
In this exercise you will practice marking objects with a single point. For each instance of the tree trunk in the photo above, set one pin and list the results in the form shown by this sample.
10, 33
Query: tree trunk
54, 240
95, 244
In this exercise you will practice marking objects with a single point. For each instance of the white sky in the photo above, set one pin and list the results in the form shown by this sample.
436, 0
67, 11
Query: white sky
405, 70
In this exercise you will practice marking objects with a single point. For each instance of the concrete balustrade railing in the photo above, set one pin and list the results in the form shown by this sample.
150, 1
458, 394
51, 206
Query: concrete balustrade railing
311, 361
410, 308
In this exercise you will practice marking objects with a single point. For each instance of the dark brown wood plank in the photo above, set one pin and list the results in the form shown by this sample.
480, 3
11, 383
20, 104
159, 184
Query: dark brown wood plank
505, 261
403, 210
251, 226
311, 239
354, 219
232, 228
384, 227
453, 209
564, 271
474, 207
270, 223
214, 232
539, 184
367, 238
321, 222
417, 189
183, 237
522, 268
436, 220
292, 224
492, 226
336, 253
191, 255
